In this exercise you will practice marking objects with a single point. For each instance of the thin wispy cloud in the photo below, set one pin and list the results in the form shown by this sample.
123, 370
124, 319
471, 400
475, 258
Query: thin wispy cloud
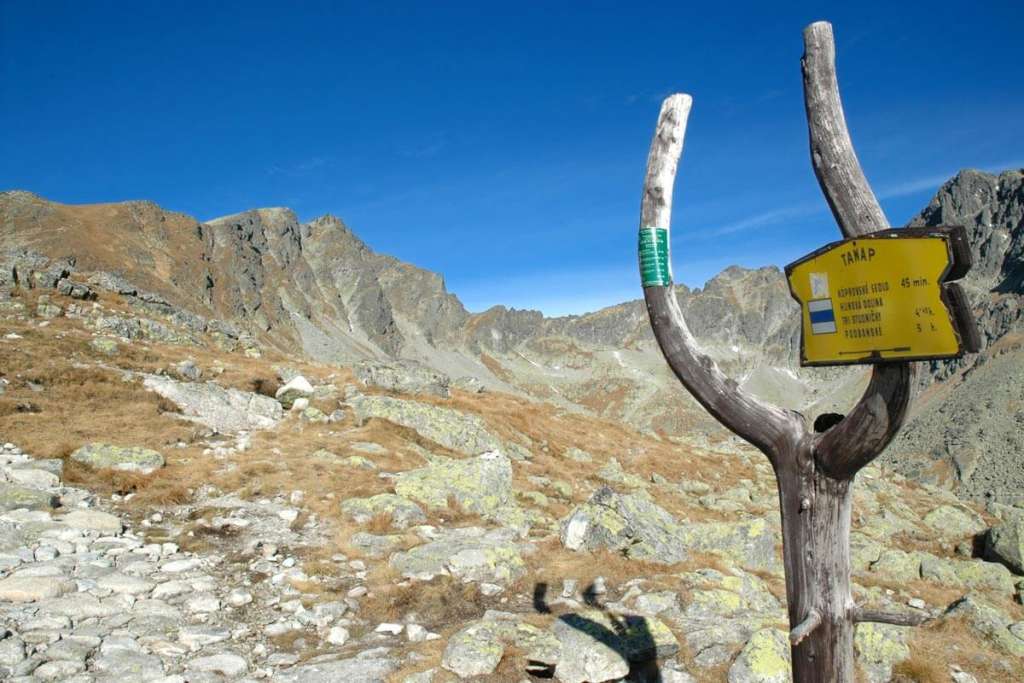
934, 182
299, 168
761, 220
907, 188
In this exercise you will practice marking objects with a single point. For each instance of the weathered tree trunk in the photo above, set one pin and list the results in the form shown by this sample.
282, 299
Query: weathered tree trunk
814, 472
816, 554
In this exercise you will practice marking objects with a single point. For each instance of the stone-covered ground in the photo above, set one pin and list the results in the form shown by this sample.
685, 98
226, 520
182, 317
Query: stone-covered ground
178, 505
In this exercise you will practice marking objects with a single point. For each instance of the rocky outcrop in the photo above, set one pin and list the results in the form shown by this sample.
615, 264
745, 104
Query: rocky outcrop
209, 404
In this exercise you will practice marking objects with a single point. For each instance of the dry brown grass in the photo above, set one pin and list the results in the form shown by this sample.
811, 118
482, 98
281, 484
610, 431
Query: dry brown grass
440, 602
936, 646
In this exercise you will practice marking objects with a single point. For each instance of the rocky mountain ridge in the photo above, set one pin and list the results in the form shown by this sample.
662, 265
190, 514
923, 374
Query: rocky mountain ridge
315, 287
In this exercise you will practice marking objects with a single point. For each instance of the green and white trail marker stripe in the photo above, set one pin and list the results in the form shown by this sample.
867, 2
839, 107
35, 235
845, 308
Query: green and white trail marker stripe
655, 266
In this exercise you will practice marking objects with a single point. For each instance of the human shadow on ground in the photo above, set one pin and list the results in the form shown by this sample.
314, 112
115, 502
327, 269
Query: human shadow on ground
629, 636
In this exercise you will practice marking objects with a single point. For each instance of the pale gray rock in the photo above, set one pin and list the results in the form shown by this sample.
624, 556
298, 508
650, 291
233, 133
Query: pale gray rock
1005, 542
470, 554
225, 410
224, 663
461, 432
764, 659
127, 458
402, 511
635, 525
14, 497
369, 666
297, 387
127, 665
402, 376
34, 588
93, 520
33, 478
585, 657
482, 484
188, 370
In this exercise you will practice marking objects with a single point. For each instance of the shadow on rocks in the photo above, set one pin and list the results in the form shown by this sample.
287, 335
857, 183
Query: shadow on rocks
629, 636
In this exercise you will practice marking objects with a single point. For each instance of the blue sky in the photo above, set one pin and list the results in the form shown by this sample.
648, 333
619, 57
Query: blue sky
502, 145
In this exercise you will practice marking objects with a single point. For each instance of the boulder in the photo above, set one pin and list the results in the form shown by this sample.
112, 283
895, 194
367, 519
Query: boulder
34, 588
93, 520
402, 511
632, 524
953, 521
469, 553
990, 623
188, 370
724, 610
1005, 543
749, 543
477, 648
403, 376
879, 647
469, 384
15, 497
102, 456
458, 431
224, 410
764, 659
297, 387
482, 485
588, 654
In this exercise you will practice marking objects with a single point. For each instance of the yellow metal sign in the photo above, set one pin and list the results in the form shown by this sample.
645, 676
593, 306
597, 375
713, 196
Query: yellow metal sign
884, 297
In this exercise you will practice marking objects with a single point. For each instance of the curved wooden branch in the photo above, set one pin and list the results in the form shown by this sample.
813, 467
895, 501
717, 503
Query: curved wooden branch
771, 429
861, 615
874, 421
805, 628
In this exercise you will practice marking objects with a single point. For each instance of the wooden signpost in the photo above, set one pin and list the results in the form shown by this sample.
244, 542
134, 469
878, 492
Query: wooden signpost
900, 275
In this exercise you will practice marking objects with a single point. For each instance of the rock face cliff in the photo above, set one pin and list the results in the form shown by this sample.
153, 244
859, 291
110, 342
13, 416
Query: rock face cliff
316, 290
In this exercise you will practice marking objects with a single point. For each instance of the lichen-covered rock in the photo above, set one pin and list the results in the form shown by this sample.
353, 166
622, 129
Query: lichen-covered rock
1005, 542
402, 511
475, 650
104, 345
469, 384
225, 410
723, 612
450, 428
375, 545
899, 565
597, 645
632, 524
14, 497
879, 647
103, 456
989, 622
588, 653
638, 527
482, 484
470, 554
749, 543
953, 521
613, 472
404, 376
764, 659
478, 647
975, 574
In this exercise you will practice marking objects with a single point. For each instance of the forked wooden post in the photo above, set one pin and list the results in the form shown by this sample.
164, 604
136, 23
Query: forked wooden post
814, 471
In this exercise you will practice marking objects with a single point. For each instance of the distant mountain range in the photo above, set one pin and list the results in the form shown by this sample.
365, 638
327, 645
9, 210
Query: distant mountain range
315, 289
